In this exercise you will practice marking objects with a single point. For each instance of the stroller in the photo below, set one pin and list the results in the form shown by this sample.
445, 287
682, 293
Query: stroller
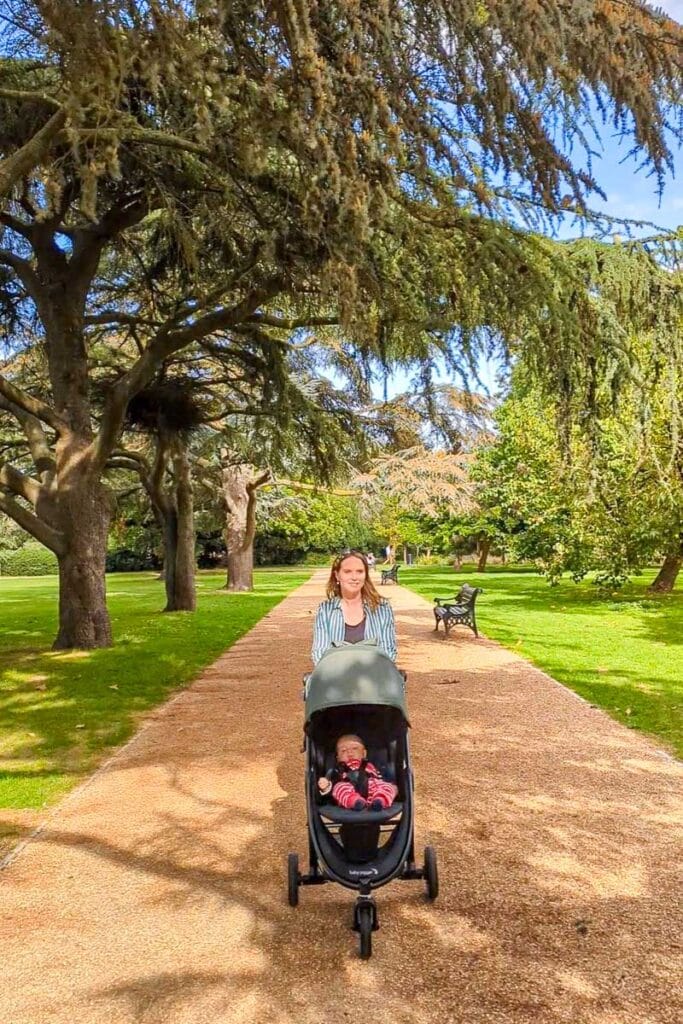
356, 688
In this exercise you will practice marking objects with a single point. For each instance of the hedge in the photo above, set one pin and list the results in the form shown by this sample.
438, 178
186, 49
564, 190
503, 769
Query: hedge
31, 560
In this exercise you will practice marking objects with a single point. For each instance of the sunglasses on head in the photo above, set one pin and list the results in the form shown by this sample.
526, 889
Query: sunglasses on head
350, 554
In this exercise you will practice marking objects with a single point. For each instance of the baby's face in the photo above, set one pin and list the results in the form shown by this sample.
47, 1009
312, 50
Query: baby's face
350, 749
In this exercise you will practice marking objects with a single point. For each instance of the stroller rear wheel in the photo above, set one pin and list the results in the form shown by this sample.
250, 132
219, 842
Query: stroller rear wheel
431, 873
293, 879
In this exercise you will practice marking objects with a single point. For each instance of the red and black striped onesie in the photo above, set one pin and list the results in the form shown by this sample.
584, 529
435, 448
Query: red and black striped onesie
359, 785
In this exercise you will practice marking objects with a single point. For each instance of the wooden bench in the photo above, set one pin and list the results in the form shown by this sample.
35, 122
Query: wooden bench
390, 575
457, 610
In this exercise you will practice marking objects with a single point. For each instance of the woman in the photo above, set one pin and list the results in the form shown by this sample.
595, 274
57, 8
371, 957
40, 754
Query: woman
354, 611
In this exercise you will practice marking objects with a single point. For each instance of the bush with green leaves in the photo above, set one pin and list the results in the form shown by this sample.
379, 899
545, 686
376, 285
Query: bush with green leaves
291, 529
30, 560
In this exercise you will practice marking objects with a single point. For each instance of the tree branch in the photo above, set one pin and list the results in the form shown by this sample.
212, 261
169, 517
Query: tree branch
52, 539
144, 136
33, 406
24, 271
14, 224
292, 324
258, 481
30, 96
296, 485
21, 163
20, 484
162, 346
117, 318
35, 435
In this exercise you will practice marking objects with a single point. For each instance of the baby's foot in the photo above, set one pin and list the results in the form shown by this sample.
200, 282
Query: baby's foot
376, 805
359, 805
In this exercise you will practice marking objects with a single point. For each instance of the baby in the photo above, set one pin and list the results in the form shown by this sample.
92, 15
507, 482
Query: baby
354, 782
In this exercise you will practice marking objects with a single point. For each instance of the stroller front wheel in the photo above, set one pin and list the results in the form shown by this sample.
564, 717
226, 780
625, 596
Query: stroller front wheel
293, 879
431, 873
365, 926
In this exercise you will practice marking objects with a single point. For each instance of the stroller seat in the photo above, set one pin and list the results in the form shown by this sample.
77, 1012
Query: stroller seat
341, 816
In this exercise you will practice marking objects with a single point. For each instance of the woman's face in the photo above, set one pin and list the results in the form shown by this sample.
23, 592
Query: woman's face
351, 576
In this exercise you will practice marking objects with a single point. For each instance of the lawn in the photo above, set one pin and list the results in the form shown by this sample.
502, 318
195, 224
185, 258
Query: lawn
623, 652
61, 711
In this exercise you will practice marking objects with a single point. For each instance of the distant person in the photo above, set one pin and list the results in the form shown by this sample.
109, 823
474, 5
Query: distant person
370, 559
353, 611
390, 554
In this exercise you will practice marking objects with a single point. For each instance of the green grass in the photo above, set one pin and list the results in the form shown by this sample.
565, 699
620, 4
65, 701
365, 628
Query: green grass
623, 653
60, 711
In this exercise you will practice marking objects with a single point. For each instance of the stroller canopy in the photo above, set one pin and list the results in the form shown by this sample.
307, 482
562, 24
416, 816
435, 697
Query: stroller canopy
355, 674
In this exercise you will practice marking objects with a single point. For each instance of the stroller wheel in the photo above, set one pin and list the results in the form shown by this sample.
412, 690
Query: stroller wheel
365, 926
431, 873
293, 879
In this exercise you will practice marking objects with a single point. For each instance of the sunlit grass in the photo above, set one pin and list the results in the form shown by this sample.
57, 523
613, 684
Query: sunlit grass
60, 712
623, 652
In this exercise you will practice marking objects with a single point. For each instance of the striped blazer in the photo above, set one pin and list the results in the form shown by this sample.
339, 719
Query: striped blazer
328, 630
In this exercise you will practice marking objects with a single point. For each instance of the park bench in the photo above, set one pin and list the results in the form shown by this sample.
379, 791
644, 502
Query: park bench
457, 610
390, 575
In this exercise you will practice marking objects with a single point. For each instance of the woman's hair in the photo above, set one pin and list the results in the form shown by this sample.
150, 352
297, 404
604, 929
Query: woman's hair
368, 592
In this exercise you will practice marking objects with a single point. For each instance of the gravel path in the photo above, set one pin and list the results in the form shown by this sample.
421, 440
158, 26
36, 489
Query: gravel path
155, 893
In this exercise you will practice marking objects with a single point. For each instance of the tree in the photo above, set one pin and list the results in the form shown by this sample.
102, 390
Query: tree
240, 484
169, 413
311, 154
605, 495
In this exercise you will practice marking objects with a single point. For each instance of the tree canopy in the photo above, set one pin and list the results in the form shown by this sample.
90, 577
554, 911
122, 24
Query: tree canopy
181, 174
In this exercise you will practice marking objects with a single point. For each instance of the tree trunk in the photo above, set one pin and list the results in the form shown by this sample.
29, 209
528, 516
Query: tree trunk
239, 543
181, 595
241, 568
484, 547
83, 616
240, 483
666, 577
84, 503
174, 509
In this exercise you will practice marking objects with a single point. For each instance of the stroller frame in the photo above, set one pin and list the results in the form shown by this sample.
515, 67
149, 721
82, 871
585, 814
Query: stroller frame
385, 731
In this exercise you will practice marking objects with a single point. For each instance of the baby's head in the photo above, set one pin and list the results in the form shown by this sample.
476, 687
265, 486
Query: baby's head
350, 748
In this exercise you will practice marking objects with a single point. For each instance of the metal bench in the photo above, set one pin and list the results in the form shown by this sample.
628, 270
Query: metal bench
390, 575
457, 610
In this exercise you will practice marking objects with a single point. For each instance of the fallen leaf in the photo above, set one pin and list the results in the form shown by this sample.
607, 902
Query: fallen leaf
601, 668
41, 686
113, 686
81, 726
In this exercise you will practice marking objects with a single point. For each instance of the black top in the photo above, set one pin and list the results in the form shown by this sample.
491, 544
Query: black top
354, 634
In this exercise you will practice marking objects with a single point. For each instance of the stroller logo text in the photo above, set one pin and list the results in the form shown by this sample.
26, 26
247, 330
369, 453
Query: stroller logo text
363, 871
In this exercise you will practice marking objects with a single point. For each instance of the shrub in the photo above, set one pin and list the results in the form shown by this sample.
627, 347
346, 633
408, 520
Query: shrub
125, 560
30, 560
317, 558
